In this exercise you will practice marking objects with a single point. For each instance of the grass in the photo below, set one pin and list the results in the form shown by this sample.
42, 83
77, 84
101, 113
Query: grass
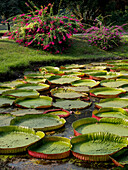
13, 55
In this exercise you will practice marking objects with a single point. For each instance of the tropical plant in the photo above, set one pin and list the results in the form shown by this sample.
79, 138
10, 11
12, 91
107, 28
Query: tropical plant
41, 29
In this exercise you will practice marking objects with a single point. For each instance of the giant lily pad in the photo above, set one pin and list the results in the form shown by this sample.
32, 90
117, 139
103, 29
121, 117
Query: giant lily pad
72, 66
5, 119
71, 104
14, 139
34, 80
49, 69
110, 112
116, 126
106, 75
40, 102
53, 147
71, 73
5, 102
21, 93
120, 158
22, 112
86, 82
66, 94
39, 87
3, 89
106, 92
112, 102
43, 122
62, 79
82, 89
97, 146
95, 74
11, 84
114, 83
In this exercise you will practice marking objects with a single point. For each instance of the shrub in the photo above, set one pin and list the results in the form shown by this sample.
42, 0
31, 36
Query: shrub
41, 29
104, 37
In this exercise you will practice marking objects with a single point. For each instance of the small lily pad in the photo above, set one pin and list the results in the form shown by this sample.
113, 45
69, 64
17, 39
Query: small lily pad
58, 112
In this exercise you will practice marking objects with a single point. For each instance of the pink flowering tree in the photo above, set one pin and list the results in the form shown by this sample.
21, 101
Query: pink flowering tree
41, 29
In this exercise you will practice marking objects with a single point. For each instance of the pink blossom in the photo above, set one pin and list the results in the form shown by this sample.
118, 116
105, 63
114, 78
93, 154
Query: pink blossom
14, 18
54, 37
60, 42
22, 15
52, 42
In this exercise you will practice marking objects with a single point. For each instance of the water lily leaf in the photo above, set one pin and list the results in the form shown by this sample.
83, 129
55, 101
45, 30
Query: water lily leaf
78, 88
34, 80
21, 93
116, 126
97, 146
106, 92
109, 75
12, 84
52, 147
14, 139
4, 89
39, 102
114, 83
42, 122
58, 112
112, 102
66, 93
120, 158
110, 112
37, 75
71, 104
72, 66
49, 69
62, 79
39, 87
86, 82
5, 102
77, 74
22, 112
5, 119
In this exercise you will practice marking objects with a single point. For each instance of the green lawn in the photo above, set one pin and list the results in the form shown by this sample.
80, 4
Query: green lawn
14, 55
